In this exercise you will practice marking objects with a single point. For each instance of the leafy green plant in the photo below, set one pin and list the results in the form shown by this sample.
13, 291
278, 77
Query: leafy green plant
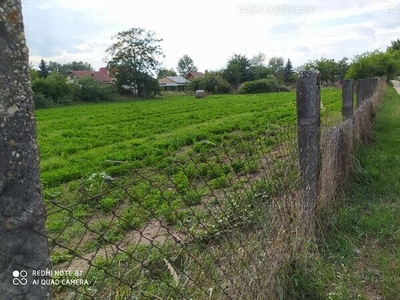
267, 85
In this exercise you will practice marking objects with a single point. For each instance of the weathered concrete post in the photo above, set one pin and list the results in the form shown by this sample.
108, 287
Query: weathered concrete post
347, 99
361, 91
23, 243
308, 130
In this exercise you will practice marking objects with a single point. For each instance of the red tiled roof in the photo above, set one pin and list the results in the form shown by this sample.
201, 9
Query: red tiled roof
98, 75
195, 74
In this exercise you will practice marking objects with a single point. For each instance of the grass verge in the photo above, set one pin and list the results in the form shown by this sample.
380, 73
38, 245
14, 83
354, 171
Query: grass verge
358, 254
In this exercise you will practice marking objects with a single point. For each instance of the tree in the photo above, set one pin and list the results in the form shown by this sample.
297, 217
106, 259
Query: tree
54, 87
258, 72
395, 46
87, 89
186, 65
376, 63
135, 56
43, 69
212, 82
65, 68
276, 67
237, 70
24, 245
258, 60
288, 72
328, 68
163, 72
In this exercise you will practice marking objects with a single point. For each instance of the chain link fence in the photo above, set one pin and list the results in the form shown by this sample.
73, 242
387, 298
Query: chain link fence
221, 221
198, 229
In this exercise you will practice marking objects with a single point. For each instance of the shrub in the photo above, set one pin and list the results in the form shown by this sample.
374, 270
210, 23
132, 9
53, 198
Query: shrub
87, 89
54, 87
377, 63
212, 83
41, 101
266, 85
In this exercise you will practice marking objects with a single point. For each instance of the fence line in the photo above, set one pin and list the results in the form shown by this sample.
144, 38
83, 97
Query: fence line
222, 222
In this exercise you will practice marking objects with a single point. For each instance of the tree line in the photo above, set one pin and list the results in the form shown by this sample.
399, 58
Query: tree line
135, 62
51, 87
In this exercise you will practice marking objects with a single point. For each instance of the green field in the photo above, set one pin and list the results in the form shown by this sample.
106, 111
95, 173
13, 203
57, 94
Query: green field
78, 141
200, 166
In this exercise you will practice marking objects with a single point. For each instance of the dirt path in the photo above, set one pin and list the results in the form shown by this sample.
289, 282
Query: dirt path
396, 85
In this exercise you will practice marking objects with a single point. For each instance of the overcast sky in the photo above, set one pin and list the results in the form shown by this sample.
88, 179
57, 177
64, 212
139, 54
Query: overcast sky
211, 31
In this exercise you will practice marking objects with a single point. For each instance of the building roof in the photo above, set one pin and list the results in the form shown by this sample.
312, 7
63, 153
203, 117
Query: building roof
173, 81
98, 75
194, 74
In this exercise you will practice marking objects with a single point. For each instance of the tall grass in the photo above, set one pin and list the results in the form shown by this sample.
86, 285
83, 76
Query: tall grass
357, 255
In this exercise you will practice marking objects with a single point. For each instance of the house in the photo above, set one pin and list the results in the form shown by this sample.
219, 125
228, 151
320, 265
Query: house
194, 75
103, 76
173, 82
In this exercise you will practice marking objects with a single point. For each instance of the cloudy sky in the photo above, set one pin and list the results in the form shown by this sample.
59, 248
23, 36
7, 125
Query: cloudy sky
211, 31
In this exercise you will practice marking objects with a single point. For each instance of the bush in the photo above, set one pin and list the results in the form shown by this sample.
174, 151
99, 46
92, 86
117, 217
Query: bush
54, 87
266, 85
377, 63
212, 83
41, 101
87, 89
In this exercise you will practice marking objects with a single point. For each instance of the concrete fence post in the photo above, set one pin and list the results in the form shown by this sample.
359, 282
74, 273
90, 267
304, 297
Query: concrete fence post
23, 242
347, 99
308, 102
361, 91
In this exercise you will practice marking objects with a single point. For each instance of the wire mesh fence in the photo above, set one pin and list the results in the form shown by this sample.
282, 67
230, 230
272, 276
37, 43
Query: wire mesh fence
220, 221
199, 228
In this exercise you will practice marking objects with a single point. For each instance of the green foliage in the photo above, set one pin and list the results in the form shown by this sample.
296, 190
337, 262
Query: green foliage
165, 72
43, 69
276, 67
134, 59
269, 84
258, 72
358, 254
328, 68
65, 68
288, 73
212, 82
236, 70
41, 101
54, 87
186, 65
376, 63
77, 141
395, 45
87, 89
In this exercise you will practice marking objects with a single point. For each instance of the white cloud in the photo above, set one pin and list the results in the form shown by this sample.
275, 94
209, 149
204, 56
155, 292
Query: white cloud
211, 31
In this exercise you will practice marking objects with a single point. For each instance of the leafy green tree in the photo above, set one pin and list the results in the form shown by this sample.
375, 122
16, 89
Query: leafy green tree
376, 63
276, 68
342, 67
236, 70
87, 89
328, 68
212, 82
258, 60
395, 46
54, 87
165, 72
65, 68
135, 55
186, 65
43, 69
258, 72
